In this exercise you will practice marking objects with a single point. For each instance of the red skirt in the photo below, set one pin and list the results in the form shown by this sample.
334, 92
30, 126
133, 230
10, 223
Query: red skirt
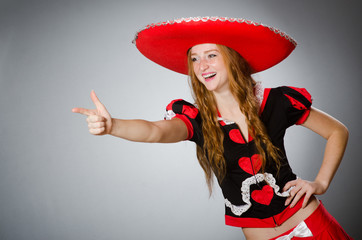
321, 225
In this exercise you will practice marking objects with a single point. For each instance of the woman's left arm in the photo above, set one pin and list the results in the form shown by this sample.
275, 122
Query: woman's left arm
336, 135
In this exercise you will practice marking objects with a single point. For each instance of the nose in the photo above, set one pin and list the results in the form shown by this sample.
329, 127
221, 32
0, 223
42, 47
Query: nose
203, 64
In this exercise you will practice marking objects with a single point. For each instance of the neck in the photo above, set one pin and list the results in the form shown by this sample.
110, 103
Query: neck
226, 101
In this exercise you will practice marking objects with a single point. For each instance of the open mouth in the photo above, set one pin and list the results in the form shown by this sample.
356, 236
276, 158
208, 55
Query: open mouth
209, 76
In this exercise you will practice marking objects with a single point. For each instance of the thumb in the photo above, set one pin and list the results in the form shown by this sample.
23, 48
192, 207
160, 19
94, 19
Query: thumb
96, 101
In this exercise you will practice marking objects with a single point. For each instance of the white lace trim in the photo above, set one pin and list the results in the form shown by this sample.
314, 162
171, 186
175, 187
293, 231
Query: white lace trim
214, 19
169, 115
259, 93
227, 122
245, 192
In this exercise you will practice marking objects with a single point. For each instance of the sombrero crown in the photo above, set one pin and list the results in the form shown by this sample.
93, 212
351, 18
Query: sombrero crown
167, 43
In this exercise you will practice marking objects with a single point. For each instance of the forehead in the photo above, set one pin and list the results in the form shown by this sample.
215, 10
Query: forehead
200, 48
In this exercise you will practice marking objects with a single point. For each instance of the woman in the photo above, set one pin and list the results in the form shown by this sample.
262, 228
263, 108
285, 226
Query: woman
237, 126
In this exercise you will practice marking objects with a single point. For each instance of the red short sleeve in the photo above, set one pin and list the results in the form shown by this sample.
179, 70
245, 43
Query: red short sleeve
298, 104
283, 107
188, 113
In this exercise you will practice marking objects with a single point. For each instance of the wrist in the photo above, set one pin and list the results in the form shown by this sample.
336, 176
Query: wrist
112, 127
323, 185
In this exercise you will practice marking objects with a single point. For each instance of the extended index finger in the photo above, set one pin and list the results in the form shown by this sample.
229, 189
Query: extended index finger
83, 111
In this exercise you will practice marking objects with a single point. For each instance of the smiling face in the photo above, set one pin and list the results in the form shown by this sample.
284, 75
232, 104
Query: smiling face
209, 67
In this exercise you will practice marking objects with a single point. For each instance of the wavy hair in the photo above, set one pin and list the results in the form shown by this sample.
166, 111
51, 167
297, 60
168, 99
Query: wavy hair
211, 154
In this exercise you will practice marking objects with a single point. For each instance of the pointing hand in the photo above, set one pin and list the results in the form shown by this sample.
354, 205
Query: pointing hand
99, 120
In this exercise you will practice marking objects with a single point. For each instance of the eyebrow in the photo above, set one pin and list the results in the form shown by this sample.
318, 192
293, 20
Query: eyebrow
206, 51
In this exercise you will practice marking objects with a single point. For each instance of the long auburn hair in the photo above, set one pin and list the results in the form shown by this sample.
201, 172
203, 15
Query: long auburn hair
211, 154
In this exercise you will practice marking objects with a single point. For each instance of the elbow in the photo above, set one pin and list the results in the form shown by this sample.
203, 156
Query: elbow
345, 132
342, 133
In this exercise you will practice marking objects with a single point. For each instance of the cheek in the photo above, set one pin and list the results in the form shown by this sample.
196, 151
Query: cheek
197, 73
195, 67
201, 80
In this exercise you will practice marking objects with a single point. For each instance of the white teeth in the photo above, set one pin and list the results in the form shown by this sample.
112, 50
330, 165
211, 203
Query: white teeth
209, 75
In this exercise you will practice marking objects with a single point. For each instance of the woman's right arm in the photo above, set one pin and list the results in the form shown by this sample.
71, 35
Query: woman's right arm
164, 131
100, 122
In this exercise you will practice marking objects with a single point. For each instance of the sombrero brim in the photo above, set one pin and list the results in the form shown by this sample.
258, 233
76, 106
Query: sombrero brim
167, 43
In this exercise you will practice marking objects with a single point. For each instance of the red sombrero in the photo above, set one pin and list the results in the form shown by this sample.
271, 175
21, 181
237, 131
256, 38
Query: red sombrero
167, 43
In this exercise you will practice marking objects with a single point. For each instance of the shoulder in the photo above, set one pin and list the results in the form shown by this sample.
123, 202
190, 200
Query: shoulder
298, 97
180, 106
286, 105
189, 114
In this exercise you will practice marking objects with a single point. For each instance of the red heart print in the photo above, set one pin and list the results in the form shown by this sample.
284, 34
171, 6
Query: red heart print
263, 196
190, 111
247, 164
235, 136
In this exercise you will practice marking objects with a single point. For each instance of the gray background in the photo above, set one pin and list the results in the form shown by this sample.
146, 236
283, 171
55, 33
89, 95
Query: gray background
59, 182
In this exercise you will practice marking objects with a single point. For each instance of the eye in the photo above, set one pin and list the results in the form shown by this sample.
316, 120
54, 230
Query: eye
194, 59
212, 55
